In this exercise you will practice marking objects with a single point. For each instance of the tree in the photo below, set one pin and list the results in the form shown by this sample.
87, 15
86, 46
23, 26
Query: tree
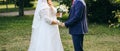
21, 4
66, 2
21, 8
100, 11
26, 3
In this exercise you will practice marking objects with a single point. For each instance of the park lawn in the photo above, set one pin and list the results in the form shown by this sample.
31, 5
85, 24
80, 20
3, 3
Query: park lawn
15, 35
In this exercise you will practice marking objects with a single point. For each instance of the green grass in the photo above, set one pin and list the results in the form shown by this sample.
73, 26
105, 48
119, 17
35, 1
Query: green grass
14, 9
15, 34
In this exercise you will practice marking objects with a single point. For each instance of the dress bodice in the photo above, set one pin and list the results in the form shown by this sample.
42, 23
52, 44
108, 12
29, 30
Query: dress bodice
48, 14
53, 12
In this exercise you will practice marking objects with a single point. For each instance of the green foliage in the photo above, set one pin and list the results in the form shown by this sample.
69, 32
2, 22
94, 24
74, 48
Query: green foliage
100, 11
67, 2
26, 3
117, 1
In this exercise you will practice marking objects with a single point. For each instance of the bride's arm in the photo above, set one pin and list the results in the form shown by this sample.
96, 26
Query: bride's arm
46, 15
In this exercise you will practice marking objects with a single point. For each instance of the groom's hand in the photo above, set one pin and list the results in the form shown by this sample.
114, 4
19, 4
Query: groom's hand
62, 24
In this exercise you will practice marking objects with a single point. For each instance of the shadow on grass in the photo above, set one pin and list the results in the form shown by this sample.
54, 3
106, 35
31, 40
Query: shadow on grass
14, 9
8, 22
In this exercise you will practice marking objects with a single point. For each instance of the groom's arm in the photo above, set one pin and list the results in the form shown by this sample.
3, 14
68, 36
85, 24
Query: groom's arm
78, 14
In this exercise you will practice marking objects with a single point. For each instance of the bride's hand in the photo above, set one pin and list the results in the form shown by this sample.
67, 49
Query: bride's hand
54, 22
57, 22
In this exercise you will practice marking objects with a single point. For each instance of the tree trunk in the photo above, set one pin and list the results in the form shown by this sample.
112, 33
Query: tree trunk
21, 8
6, 5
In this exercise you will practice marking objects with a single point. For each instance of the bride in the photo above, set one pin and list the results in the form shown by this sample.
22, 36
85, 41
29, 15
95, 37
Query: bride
45, 32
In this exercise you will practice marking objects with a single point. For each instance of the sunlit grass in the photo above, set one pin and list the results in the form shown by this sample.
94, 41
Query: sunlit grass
9, 6
102, 38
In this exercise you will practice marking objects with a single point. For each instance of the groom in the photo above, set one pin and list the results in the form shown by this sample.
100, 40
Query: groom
77, 23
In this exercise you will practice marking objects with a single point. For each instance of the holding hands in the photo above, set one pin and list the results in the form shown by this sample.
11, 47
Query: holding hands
58, 22
62, 24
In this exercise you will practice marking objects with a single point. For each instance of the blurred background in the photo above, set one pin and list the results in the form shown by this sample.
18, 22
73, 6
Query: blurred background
103, 19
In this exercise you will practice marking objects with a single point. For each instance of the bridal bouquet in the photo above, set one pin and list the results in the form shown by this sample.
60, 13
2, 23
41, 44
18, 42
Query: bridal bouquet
59, 11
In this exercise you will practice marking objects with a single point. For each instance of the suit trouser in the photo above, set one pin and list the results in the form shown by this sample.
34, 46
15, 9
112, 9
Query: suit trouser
78, 42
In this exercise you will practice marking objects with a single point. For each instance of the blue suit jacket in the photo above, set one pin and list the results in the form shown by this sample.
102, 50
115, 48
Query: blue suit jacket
77, 21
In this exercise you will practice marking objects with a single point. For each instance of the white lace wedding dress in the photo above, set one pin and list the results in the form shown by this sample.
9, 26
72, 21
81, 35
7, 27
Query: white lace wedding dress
46, 37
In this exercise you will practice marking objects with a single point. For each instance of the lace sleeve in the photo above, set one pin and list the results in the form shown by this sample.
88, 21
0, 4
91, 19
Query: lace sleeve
45, 14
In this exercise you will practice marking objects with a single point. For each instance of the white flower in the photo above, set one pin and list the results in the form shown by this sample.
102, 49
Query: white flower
62, 8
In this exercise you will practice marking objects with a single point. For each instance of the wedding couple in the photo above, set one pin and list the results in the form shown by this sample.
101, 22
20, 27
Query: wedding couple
45, 32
